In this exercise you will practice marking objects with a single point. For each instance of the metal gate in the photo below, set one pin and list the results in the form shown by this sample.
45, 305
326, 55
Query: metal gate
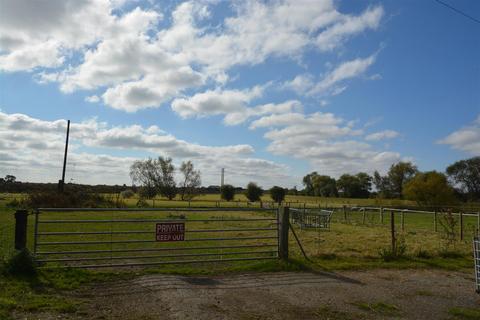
105, 237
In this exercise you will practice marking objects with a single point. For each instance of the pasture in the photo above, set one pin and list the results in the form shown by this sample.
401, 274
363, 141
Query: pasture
351, 245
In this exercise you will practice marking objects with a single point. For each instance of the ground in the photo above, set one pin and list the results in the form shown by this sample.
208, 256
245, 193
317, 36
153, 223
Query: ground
373, 294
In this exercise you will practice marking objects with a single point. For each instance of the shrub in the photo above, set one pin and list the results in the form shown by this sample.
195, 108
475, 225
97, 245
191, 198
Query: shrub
21, 264
67, 200
227, 192
277, 194
253, 192
127, 194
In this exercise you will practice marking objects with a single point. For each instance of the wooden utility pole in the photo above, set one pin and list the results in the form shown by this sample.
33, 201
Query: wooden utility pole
61, 183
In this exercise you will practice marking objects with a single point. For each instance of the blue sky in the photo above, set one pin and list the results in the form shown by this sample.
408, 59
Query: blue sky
269, 90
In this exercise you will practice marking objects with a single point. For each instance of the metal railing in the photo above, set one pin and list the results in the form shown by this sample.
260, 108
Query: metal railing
110, 237
311, 218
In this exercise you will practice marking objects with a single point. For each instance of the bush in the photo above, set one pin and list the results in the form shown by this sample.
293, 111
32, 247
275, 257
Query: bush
67, 200
127, 194
14, 204
277, 194
253, 192
227, 192
21, 264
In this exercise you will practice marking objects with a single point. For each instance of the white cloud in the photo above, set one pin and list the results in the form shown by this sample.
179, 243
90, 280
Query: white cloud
231, 103
382, 135
92, 99
32, 149
466, 139
332, 83
140, 65
327, 142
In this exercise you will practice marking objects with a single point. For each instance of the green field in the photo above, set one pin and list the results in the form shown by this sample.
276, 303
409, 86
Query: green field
355, 243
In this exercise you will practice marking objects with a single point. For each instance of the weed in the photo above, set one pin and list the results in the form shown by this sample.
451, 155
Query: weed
378, 307
21, 264
465, 313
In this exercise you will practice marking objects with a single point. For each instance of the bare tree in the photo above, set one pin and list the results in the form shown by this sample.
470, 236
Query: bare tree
191, 180
167, 187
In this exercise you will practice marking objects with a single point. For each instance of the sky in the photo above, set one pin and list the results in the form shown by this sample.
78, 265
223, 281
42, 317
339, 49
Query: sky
268, 90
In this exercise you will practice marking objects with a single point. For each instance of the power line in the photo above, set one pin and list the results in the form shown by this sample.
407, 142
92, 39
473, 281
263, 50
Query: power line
458, 11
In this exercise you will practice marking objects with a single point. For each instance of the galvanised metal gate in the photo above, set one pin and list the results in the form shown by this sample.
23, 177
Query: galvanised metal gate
104, 237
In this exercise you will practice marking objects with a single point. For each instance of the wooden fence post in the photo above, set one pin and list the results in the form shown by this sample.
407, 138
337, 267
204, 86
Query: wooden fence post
345, 213
283, 224
381, 215
435, 221
461, 225
21, 219
363, 216
392, 231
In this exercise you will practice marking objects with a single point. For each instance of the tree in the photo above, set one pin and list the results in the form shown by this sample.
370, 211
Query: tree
155, 176
429, 189
191, 180
324, 186
382, 184
308, 183
277, 194
227, 192
355, 186
167, 187
145, 173
10, 179
466, 175
253, 192
398, 175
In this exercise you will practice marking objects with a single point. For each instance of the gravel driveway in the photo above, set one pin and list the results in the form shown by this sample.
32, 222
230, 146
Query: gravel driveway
375, 294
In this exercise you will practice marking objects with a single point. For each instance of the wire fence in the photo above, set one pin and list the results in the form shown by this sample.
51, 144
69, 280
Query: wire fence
7, 236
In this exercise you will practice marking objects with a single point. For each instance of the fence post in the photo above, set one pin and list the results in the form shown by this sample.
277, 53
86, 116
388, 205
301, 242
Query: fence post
21, 219
381, 215
478, 222
461, 225
392, 230
345, 213
435, 220
402, 217
363, 216
283, 224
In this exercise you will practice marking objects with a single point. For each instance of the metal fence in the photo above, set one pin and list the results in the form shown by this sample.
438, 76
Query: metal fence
311, 218
93, 238
476, 257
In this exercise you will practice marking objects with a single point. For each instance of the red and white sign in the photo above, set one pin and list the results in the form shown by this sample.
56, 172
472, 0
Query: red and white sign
170, 231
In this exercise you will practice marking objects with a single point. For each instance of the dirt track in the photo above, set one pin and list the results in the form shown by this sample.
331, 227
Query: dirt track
408, 294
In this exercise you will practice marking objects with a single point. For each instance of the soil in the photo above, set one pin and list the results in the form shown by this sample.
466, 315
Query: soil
374, 294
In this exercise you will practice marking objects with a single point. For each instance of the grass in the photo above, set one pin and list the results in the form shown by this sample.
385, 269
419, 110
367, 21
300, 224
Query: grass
380, 308
350, 245
465, 313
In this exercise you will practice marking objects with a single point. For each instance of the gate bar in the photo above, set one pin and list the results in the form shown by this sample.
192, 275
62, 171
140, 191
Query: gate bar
156, 249
160, 263
146, 241
147, 232
155, 220
186, 209
156, 256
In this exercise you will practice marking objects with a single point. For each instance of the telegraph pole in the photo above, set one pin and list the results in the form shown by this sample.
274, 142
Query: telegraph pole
61, 183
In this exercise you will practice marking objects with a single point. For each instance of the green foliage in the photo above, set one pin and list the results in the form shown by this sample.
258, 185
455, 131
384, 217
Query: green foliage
227, 192
379, 307
465, 313
155, 176
127, 194
430, 189
277, 194
253, 192
357, 186
466, 174
67, 199
324, 186
167, 186
191, 181
448, 222
21, 264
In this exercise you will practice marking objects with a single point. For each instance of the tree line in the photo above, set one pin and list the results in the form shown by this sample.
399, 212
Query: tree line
460, 181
